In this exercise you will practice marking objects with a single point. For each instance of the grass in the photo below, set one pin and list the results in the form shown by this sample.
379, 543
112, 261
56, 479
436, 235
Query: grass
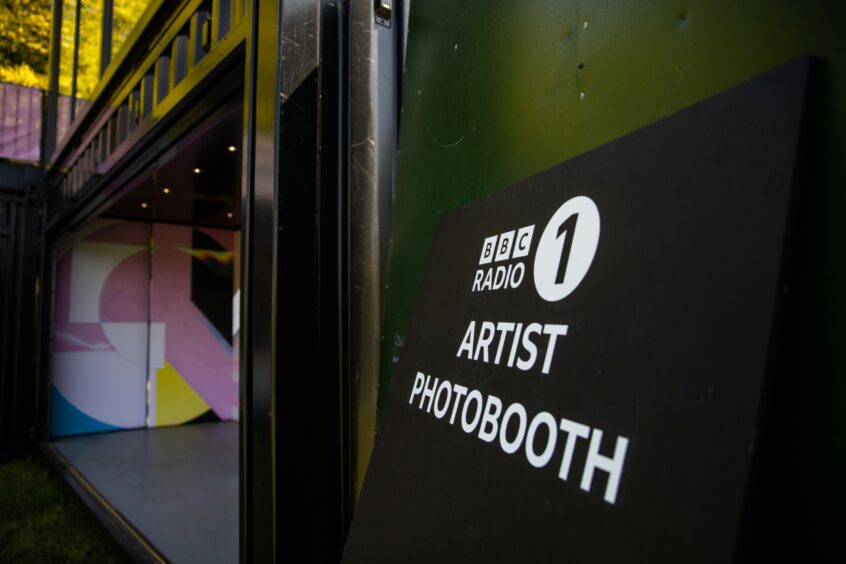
42, 521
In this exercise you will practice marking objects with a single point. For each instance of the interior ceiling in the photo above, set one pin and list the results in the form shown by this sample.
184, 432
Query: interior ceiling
197, 182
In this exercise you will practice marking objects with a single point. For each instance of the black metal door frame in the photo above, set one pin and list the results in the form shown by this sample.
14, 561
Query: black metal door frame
295, 478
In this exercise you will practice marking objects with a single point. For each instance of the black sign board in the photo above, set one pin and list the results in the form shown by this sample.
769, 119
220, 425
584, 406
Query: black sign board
584, 368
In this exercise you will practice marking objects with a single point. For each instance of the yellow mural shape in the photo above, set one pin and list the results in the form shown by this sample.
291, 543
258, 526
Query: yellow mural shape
176, 401
223, 257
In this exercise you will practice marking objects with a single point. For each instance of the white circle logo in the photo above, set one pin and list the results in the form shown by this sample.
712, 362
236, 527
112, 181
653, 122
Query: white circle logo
566, 248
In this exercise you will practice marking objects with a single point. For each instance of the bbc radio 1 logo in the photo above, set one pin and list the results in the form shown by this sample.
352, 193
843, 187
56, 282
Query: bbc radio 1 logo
564, 254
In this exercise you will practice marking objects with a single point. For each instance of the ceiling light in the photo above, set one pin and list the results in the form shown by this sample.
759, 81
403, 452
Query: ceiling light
231, 148
166, 190
143, 204
230, 215
197, 171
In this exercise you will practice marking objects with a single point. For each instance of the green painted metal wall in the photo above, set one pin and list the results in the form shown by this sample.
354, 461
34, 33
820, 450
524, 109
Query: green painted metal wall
495, 91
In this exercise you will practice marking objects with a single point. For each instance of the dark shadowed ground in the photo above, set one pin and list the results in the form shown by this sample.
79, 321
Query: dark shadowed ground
42, 521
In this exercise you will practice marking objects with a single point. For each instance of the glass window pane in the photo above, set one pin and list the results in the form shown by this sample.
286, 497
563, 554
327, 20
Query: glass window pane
126, 14
66, 49
66, 45
91, 37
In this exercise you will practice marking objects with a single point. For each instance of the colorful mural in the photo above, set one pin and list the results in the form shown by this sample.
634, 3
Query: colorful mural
143, 331
191, 292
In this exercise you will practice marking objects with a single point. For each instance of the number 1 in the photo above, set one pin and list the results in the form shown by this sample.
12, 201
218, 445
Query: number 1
568, 228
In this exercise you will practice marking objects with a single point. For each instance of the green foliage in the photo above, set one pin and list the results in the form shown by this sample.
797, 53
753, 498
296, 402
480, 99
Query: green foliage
66, 45
41, 522
126, 14
24, 75
24, 41
90, 39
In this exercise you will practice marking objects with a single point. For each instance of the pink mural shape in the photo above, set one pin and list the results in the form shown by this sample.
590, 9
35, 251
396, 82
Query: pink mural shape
125, 302
118, 302
198, 353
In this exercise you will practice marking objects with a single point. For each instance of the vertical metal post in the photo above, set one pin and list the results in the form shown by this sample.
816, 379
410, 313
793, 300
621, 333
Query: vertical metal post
259, 283
375, 71
311, 372
333, 272
48, 131
295, 478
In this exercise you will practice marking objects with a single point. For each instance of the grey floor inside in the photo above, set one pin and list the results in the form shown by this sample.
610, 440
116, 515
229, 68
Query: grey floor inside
177, 485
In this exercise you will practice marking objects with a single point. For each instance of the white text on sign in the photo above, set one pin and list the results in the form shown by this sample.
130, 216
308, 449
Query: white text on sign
538, 437
511, 245
512, 344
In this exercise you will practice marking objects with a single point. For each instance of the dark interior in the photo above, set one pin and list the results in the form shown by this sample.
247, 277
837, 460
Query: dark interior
197, 182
